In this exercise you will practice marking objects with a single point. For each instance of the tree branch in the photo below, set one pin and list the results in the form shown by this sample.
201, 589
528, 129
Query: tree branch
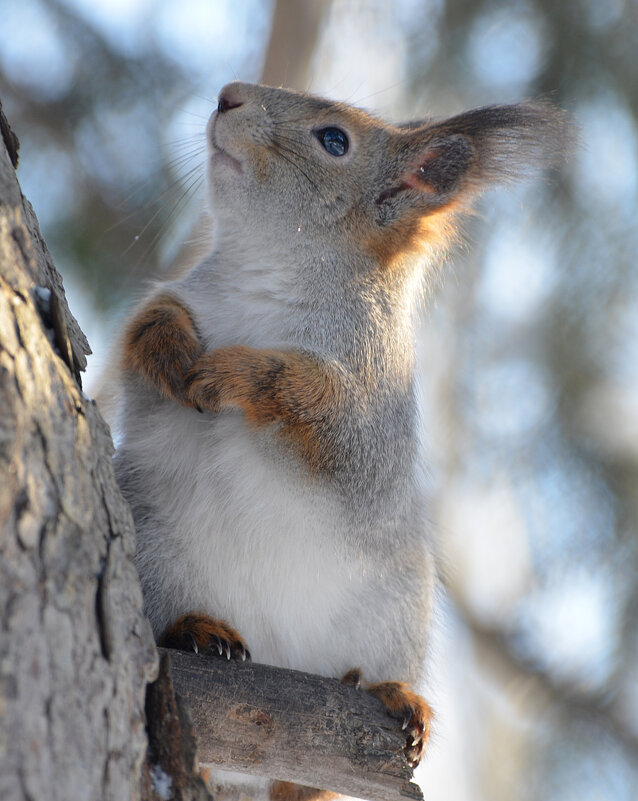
293, 726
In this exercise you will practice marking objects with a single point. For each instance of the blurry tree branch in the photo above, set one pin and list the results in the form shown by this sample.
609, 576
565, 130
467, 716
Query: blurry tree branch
494, 650
293, 36
104, 66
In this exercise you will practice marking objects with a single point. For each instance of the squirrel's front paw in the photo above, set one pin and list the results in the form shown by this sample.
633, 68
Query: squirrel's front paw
413, 711
203, 634
203, 383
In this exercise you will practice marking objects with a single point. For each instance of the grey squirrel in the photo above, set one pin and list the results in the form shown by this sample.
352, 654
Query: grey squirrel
270, 449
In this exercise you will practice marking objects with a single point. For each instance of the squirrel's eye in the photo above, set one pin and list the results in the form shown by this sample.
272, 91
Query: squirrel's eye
334, 141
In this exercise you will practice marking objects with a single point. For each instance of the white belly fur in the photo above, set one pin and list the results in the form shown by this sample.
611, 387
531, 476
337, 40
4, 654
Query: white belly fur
260, 545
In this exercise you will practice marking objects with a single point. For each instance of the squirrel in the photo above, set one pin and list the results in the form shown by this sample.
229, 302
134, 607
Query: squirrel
270, 429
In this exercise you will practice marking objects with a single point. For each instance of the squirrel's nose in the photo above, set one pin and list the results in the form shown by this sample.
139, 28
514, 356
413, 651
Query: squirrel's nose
228, 99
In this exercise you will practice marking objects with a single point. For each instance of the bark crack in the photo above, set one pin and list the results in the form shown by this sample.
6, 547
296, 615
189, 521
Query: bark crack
105, 645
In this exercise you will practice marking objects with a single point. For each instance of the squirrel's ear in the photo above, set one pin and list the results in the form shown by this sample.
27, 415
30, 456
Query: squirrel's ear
448, 163
434, 171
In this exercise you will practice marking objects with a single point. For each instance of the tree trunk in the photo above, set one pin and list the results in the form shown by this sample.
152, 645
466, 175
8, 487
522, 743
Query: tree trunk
76, 652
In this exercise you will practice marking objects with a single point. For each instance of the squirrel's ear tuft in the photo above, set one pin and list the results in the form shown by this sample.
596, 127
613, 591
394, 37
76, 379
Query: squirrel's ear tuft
513, 141
450, 162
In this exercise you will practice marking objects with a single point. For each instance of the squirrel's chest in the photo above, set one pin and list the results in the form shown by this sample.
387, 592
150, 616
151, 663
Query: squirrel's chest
262, 546
253, 307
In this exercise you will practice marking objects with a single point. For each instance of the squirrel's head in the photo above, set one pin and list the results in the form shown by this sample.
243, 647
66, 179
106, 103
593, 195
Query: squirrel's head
287, 166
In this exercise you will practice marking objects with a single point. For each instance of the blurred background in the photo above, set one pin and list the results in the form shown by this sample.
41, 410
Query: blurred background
529, 348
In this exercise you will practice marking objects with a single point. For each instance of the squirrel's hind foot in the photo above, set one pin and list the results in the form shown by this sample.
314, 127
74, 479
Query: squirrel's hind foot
412, 710
205, 635
402, 703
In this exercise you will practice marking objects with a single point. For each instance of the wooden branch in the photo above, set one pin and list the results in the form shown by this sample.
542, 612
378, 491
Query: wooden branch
293, 726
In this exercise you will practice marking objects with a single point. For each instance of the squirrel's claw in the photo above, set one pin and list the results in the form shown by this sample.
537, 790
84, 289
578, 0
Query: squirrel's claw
414, 747
231, 649
352, 678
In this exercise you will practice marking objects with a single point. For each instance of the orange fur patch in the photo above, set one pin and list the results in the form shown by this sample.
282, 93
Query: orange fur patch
287, 791
414, 234
161, 344
269, 385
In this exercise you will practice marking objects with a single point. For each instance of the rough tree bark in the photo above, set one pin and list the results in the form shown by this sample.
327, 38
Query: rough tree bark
76, 652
